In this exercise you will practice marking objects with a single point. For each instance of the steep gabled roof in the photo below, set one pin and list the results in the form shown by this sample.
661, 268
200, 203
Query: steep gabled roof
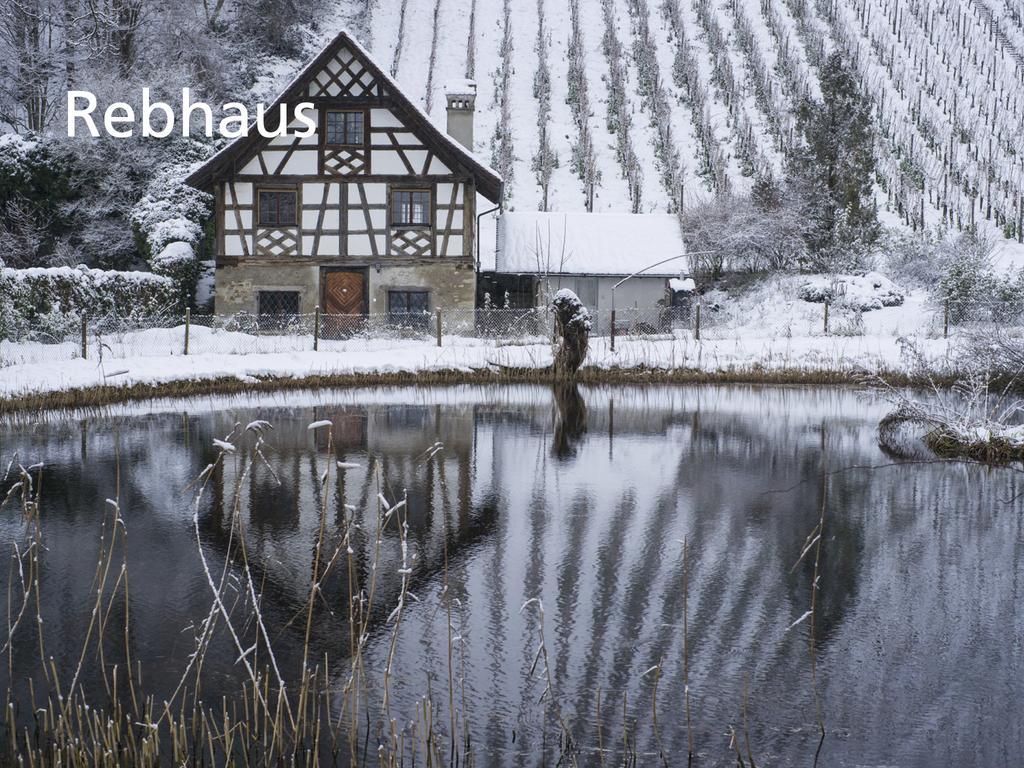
488, 182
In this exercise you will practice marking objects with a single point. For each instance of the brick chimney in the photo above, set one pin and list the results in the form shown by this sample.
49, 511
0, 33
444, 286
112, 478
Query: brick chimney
461, 95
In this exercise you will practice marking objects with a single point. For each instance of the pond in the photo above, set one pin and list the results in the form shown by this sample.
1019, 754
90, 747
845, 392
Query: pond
543, 589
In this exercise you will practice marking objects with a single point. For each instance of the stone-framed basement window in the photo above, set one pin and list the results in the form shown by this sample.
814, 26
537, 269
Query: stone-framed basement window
278, 302
406, 301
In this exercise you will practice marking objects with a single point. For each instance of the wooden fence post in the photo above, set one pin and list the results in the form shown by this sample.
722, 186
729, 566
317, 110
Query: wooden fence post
613, 330
696, 324
85, 337
439, 326
945, 319
316, 328
188, 325
826, 318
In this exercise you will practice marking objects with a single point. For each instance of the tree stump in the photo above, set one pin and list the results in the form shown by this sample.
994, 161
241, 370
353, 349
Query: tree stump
572, 323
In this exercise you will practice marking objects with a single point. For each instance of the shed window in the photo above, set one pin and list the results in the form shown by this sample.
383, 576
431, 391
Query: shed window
344, 129
278, 302
277, 208
410, 208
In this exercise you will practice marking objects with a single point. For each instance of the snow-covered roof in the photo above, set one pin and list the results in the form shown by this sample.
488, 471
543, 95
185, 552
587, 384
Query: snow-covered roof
589, 243
489, 182
457, 87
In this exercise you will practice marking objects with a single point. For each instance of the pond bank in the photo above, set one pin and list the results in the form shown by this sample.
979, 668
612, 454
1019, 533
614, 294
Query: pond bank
800, 360
110, 394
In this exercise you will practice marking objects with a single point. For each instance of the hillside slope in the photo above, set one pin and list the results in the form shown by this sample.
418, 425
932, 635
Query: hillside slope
653, 103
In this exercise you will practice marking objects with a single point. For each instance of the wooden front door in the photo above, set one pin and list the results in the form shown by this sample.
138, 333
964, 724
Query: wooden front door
343, 302
344, 293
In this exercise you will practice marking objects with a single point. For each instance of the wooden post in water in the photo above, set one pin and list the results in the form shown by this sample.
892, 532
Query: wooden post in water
826, 318
696, 324
439, 326
85, 337
188, 324
316, 328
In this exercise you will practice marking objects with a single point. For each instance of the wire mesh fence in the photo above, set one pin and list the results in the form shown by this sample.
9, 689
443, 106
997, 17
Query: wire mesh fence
115, 337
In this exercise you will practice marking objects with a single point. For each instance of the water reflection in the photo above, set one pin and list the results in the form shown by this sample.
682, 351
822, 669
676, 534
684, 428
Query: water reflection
578, 497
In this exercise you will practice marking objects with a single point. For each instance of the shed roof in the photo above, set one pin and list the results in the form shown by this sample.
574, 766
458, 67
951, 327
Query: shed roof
588, 243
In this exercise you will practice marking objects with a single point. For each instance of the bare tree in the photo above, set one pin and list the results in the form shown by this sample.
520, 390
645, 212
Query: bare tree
31, 52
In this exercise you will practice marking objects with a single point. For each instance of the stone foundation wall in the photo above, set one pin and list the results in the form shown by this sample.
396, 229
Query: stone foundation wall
451, 285
238, 286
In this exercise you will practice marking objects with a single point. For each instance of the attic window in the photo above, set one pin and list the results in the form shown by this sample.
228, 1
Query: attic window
344, 129
277, 208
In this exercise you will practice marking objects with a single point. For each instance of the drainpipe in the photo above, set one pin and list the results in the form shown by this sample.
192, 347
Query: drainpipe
478, 217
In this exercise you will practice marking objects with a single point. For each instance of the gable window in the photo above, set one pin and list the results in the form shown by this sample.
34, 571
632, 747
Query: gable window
276, 208
278, 302
344, 129
410, 208
408, 302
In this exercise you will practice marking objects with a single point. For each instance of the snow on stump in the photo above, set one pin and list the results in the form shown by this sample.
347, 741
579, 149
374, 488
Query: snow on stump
572, 323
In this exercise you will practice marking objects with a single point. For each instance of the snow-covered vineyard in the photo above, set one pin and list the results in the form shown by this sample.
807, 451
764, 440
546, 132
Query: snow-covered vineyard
630, 105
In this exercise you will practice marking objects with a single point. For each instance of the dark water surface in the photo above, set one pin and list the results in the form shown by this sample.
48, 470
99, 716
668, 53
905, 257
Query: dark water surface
580, 501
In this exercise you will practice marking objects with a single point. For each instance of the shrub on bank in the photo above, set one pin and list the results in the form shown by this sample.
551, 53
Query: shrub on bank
52, 300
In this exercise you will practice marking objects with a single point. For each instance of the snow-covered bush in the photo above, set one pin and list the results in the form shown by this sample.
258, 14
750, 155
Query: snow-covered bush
967, 275
912, 259
35, 183
171, 221
862, 293
52, 300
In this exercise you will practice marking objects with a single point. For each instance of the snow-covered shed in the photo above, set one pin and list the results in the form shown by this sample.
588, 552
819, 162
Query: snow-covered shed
537, 254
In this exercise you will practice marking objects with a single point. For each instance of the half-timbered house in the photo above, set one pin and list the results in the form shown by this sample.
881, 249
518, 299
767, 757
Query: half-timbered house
375, 213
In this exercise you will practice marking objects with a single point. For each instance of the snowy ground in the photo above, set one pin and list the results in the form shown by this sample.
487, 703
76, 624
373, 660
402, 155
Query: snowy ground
807, 354
765, 328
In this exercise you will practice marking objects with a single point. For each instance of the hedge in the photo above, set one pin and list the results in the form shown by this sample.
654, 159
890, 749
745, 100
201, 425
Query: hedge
50, 301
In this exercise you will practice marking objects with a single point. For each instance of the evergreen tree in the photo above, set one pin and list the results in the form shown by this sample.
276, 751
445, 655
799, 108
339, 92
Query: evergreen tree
833, 171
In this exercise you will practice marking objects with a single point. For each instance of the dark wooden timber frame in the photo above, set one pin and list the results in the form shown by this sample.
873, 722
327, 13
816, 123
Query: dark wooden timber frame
234, 156
360, 152
411, 138
278, 235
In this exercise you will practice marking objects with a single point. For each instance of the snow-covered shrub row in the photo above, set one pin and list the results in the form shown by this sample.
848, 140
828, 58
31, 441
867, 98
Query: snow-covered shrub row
429, 101
502, 150
619, 119
471, 43
770, 99
724, 78
655, 100
584, 162
860, 292
52, 300
686, 75
545, 160
401, 38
